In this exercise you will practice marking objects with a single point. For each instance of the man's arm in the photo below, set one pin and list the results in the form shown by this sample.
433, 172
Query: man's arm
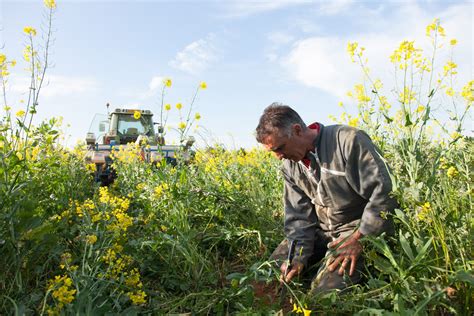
300, 223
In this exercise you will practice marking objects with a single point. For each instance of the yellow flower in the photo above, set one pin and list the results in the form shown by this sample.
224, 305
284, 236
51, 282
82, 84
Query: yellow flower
455, 135
203, 85
353, 122
452, 172
137, 115
167, 107
360, 93
197, 116
179, 106
449, 68
137, 298
182, 125
467, 91
453, 42
20, 113
19, 155
167, 82
91, 239
306, 312
50, 4
29, 30
420, 109
351, 49
91, 167
424, 210
449, 92
406, 96
3, 57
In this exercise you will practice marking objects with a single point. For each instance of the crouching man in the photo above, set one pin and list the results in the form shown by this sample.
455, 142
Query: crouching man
337, 189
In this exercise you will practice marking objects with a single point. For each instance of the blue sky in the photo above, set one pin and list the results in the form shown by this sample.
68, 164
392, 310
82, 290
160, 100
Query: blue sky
250, 53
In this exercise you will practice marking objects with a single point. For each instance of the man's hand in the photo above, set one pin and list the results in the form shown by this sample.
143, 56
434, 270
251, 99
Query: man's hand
295, 269
348, 251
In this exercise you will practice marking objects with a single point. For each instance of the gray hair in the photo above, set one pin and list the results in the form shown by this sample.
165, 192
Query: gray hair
277, 118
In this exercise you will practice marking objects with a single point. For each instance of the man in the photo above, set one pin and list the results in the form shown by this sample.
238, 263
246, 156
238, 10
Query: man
337, 190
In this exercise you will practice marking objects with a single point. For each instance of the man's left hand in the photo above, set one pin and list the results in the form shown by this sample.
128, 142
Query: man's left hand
347, 250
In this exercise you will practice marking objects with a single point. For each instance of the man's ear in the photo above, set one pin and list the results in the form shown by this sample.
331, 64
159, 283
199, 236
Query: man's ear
297, 129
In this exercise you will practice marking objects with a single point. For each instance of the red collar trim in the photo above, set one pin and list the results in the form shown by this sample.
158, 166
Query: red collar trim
317, 127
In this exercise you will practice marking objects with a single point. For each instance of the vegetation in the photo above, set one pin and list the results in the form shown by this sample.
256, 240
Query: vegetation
195, 237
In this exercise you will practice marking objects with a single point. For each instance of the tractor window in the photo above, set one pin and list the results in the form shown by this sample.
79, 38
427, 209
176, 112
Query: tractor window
99, 125
128, 125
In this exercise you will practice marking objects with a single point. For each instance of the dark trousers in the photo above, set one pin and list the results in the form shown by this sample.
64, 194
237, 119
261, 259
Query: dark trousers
322, 279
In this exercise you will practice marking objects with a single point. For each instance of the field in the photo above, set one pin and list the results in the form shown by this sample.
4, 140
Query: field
195, 238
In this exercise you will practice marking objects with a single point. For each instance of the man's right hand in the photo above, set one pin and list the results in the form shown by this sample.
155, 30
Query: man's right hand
295, 269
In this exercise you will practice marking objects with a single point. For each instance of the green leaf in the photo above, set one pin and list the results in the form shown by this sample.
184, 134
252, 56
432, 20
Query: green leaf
408, 122
406, 246
464, 276
423, 250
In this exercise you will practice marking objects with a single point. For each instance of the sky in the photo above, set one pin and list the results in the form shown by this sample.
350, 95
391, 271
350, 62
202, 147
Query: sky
250, 54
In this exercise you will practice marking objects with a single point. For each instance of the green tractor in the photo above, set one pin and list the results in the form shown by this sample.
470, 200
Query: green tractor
123, 127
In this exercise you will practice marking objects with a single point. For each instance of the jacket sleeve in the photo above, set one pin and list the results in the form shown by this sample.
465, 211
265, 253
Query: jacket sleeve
301, 221
369, 176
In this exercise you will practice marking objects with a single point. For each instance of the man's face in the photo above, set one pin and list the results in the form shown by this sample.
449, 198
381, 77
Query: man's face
286, 147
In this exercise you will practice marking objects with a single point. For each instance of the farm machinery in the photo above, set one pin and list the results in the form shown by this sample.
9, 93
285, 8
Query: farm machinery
127, 127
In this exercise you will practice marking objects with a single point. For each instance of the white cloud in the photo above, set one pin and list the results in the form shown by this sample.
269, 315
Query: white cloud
155, 83
56, 85
251, 7
318, 62
322, 62
332, 7
280, 38
197, 56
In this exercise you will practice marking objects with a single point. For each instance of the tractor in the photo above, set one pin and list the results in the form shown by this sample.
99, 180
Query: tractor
123, 127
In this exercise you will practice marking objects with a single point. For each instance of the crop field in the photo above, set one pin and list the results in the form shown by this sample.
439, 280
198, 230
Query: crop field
194, 238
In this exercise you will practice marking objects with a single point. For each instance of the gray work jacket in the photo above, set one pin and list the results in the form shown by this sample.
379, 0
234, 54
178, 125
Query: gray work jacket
346, 186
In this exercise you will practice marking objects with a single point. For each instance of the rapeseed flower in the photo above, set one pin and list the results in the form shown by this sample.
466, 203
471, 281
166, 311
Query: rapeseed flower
467, 91
20, 113
30, 30
137, 115
91, 167
453, 42
424, 211
452, 172
61, 290
91, 239
434, 28
351, 49
449, 92
50, 4
182, 125
449, 68
167, 107
203, 85
353, 122
361, 96
138, 297
179, 106
167, 82
197, 116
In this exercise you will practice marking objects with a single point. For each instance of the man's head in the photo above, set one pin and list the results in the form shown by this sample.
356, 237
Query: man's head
283, 131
